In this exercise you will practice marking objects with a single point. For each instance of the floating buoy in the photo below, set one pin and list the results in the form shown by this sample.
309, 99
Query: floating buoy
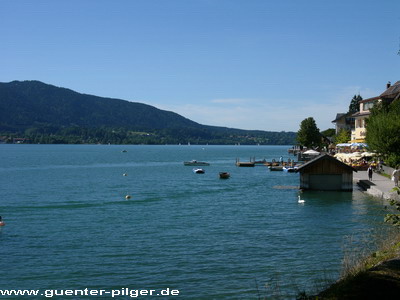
127, 197
2, 223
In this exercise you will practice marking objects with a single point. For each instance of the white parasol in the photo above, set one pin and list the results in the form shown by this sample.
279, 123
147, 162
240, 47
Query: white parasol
311, 152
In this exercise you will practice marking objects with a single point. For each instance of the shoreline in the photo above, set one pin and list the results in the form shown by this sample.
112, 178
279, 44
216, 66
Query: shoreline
378, 275
380, 187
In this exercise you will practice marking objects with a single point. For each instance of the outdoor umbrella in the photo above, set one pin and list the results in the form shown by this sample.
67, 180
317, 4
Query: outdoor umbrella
367, 154
311, 152
355, 156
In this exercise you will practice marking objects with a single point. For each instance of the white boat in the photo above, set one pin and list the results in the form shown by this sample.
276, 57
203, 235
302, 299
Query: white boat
199, 171
290, 169
195, 163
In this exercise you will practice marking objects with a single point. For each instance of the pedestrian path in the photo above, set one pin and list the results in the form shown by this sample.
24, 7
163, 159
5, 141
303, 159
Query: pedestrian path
380, 186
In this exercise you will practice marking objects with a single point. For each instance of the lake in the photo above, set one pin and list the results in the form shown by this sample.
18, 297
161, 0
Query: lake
69, 225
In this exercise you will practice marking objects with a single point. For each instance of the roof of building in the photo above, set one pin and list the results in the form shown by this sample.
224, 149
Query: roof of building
325, 157
341, 116
392, 91
338, 117
361, 114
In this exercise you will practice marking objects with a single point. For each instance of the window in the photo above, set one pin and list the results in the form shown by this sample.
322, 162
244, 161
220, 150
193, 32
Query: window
368, 105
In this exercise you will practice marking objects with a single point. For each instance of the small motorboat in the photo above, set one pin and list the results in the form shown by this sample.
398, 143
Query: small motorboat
290, 169
275, 168
195, 163
199, 171
224, 175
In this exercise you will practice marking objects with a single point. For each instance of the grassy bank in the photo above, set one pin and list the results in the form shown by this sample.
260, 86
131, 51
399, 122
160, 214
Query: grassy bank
370, 270
373, 276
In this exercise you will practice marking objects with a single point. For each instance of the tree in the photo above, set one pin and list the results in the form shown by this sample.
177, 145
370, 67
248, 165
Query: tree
383, 131
308, 134
355, 104
343, 136
331, 132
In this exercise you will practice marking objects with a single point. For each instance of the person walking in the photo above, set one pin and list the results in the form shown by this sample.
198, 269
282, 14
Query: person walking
369, 171
395, 176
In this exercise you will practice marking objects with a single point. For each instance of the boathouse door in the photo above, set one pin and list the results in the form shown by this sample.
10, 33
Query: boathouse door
327, 182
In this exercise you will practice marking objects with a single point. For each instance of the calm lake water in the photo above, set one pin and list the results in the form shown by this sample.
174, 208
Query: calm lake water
70, 227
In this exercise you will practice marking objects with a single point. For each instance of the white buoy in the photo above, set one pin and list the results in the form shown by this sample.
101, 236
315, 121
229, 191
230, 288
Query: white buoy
301, 200
127, 197
125, 174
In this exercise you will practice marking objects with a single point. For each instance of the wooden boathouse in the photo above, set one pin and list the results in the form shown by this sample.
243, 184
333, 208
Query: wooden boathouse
326, 173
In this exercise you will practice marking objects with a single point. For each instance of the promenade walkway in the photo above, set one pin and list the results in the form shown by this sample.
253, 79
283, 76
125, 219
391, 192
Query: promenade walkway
380, 186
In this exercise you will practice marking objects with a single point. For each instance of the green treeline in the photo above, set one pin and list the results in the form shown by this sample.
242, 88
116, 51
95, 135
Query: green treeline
105, 135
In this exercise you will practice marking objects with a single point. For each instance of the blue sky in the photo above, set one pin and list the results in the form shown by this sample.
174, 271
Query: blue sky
247, 64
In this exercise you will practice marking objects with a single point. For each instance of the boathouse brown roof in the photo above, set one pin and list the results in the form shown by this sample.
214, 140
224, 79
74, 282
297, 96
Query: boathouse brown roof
325, 157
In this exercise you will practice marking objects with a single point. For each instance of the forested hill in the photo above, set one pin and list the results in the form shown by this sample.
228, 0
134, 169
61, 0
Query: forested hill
44, 113
28, 102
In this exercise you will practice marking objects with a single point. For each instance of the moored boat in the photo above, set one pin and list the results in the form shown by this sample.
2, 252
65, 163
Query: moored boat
260, 162
199, 171
275, 168
195, 163
290, 169
224, 175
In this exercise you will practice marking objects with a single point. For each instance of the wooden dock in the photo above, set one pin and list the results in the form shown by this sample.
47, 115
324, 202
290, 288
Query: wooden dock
272, 163
245, 164
250, 163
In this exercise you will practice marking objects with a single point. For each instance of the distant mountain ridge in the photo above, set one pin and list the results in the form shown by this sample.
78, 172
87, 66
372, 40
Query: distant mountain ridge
34, 101
45, 113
